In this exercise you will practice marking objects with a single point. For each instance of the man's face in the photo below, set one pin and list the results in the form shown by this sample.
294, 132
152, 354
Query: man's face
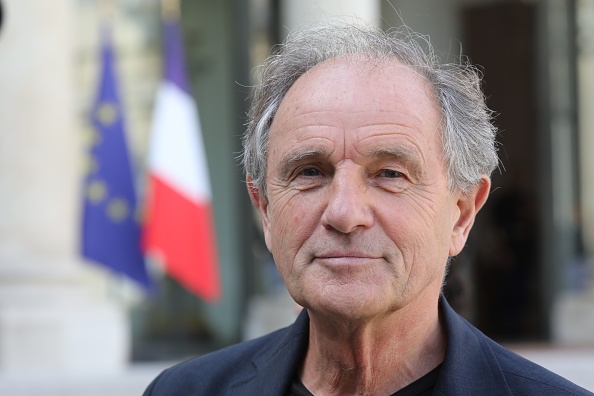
359, 217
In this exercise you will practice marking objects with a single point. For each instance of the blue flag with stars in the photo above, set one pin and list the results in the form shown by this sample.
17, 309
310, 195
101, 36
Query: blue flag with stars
111, 232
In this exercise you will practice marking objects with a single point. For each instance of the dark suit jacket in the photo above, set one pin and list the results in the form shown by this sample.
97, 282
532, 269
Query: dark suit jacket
474, 365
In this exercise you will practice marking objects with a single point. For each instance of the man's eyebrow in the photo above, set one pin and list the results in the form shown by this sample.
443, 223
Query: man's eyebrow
291, 159
407, 155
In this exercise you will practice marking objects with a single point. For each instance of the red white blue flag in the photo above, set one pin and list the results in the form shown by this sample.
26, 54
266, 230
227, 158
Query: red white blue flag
179, 227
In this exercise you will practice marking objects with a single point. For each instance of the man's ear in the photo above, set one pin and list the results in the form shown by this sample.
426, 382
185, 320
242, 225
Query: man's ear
260, 201
468, 206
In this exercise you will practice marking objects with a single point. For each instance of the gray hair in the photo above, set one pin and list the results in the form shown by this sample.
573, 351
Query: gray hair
468, 134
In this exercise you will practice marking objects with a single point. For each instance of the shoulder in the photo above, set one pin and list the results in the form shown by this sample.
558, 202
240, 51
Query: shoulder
475, 364
523, 375
214, 372
268, 362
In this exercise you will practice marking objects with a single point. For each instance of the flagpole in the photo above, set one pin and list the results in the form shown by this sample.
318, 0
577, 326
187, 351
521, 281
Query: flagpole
170, 10
106, 10
106, 16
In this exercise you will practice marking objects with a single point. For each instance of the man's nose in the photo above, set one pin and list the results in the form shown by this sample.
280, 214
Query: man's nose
347, 207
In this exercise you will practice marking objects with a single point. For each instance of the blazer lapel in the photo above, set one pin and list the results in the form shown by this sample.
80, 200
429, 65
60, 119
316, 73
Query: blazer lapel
470, 366
276, 365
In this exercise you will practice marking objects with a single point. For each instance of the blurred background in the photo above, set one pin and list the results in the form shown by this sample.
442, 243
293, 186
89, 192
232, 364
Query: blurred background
73, 326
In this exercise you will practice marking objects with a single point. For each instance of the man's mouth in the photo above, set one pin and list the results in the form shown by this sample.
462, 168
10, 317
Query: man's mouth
345, 258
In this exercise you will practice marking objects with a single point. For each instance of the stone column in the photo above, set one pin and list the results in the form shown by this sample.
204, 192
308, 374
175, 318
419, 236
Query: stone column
585, 63
296, 13
50, 323
573, 309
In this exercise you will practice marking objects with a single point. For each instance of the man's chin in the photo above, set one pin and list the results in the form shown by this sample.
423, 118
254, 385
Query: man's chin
348, 307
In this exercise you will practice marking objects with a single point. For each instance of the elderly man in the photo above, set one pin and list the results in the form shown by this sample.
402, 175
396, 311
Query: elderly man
368, 161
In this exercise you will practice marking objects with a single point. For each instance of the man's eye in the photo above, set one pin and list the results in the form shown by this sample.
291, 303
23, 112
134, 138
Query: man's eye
310, 172
391, 174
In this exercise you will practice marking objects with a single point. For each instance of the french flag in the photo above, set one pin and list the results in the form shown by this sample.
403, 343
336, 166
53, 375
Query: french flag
179, 227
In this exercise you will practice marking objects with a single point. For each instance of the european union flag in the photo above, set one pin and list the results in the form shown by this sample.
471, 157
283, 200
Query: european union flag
111, 232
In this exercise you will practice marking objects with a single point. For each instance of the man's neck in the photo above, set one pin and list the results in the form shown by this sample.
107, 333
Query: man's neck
378, 356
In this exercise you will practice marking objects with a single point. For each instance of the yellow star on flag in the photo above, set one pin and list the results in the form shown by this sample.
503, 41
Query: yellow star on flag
107, 113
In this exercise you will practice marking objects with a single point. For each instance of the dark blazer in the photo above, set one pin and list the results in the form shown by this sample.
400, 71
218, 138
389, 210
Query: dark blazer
473, 365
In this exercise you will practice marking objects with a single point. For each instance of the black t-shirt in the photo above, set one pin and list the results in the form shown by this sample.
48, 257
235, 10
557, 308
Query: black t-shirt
421, 387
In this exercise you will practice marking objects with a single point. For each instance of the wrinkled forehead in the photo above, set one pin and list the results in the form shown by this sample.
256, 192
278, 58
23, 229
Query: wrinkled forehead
365, 77
356, 84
